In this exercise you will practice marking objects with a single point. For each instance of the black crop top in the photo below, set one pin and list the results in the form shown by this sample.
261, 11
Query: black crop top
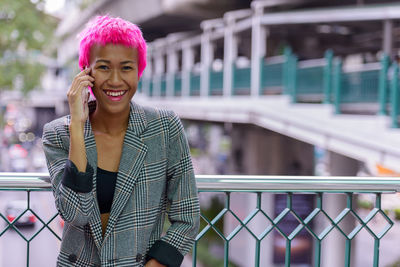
105, 184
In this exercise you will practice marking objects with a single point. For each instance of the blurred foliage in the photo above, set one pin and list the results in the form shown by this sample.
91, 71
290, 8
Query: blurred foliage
83, 4
25, 30
397, 214
211, 238
207, 259
365, 204
210, 213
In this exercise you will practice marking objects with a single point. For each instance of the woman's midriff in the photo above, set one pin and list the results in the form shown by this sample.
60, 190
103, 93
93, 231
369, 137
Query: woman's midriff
104, 220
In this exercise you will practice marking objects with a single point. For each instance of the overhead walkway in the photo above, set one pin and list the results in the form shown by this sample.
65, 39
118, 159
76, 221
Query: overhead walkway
366, 138
331, 102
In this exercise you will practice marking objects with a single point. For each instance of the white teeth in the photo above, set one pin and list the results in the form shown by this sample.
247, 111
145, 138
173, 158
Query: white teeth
111, 93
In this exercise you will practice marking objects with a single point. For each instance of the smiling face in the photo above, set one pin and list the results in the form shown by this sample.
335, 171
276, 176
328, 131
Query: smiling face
115, 70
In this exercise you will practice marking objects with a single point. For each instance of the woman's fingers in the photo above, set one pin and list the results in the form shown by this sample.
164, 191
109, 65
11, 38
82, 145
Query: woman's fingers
80, 81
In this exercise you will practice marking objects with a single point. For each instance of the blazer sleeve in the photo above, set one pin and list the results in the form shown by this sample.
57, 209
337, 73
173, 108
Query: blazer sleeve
184, 211
71, 188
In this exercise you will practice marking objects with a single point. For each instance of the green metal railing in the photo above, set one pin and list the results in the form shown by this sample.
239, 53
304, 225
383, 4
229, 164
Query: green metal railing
360, 86
310, 77
272, 74
140, 86
163, 85
151, 87
194, 84
260, 187
216, 82
178, 84
241, 81
315, 80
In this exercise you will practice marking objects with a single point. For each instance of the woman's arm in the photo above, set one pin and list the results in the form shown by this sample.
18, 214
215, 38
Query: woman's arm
77, 100
71, 188
71, 175
184, 212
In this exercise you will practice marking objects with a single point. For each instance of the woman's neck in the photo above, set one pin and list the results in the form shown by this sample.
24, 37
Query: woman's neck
111, 124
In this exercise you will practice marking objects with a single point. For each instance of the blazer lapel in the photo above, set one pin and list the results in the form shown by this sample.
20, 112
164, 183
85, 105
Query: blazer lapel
91, 155
132, 158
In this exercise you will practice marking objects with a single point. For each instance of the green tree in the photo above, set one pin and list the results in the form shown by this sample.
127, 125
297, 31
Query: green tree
25, 34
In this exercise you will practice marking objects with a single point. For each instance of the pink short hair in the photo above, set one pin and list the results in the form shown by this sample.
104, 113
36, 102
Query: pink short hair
103, 30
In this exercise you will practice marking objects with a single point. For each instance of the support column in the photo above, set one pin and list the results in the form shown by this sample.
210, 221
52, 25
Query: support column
187, 65
207, 54
387, 45
172, 68
333, 252
256, 151
258, 50
230, 54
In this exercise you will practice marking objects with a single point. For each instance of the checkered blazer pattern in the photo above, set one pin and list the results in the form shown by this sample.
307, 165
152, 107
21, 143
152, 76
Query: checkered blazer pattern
155, 177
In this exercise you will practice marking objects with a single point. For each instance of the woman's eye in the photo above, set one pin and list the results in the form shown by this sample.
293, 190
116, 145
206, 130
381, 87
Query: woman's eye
103, 67
126, 67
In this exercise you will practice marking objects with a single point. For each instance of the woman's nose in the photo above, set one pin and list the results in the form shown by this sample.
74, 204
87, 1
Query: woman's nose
115, 78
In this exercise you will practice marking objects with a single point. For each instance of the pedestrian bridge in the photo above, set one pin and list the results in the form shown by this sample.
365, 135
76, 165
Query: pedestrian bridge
366, 138
350, 107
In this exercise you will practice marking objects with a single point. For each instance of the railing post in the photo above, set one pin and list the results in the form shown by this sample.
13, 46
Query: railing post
230, 54
233, 71
187, 66
259, 35
293, 78
262, 74
207, 57
383, 84
337, 85
172, 68
395, 96
328, 77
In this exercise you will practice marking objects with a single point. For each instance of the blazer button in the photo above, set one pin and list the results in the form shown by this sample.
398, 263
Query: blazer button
138, 257
72, 258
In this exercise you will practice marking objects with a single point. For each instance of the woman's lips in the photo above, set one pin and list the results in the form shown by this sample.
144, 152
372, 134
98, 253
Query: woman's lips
117, 97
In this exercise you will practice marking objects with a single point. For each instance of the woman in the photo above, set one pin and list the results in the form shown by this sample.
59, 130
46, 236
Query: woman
115, 166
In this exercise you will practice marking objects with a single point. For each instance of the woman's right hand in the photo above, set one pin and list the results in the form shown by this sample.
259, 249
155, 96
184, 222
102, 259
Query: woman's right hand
78, 96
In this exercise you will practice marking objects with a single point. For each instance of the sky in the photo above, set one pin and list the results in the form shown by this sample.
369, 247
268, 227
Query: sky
54, 6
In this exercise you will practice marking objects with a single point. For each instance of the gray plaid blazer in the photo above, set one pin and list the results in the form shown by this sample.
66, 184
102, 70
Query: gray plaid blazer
155, 178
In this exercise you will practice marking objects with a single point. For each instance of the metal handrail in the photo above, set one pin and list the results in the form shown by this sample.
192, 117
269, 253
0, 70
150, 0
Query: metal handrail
243, 183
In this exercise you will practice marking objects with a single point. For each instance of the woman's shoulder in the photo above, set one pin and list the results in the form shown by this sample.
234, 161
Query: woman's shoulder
56, 125
165, 119
154, 113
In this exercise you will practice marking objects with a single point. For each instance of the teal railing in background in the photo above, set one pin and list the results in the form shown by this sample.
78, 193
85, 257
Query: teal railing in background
310, 79
163, 85
272, 74
151, 87
260, 187
140, 86
361, 85
194, 84
315, 80
178, 84
241, 81
216, 82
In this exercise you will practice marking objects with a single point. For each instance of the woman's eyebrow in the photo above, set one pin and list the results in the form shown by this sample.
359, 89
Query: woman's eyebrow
122, 62
128, 61
103, 60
